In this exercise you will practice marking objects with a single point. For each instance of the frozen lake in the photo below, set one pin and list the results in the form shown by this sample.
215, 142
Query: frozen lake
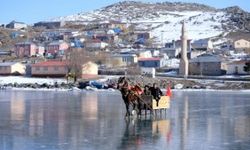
47, 120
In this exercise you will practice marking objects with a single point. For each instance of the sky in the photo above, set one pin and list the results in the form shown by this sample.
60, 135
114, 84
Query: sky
31, 11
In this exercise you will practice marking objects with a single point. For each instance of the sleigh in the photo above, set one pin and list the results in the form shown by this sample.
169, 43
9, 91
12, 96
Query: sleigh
148, 103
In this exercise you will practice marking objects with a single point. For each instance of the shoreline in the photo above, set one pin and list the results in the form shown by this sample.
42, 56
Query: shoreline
115, 90
60, 84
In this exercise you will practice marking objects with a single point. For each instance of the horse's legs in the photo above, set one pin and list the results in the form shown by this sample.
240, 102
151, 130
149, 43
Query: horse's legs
135, 107
139, 108
127, 110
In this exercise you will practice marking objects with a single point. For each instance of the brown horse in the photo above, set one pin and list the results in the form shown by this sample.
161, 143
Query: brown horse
130, 95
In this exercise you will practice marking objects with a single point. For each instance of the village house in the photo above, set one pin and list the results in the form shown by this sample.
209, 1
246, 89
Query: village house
123, 59
142, 35
70, 33
16, 34
107, 25
77, 43
173, 49
153, 62
89, 70
106, 37
155, 52
235, 67
40, 50
241, 44
55, 68
144, 54
113, 25
202, 44
96, 44
170, 49
205, 64
25, 49
115, 31
12, 68
50, 25
16, 25
57, 47
91, 33
5, 53
196, 53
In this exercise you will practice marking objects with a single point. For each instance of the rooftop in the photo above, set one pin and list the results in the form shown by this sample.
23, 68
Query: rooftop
6, 64
50, 63
16, 22
56, 42
124, 55
149, 59
206, 58
24, 43
238, 62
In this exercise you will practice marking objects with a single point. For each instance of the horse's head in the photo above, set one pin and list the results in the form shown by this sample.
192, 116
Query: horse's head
122, 82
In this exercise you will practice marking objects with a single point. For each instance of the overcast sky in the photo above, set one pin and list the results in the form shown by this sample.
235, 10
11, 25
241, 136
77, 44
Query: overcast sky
31, 11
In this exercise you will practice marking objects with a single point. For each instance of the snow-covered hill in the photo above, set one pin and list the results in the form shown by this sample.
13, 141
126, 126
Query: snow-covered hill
163, 20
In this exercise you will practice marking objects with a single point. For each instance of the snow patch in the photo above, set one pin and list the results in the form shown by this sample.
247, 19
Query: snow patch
26, 80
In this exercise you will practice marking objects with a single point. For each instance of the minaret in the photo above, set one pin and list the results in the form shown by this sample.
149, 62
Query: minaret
183, 69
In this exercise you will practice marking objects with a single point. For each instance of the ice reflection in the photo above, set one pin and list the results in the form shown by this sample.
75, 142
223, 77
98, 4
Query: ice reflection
140, 134
68, 120
17, 107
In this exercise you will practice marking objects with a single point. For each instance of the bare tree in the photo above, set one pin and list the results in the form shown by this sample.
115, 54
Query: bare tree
76, 57
102, 57
133, 70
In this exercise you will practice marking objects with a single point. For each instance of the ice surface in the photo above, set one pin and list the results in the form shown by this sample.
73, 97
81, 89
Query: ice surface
207, 120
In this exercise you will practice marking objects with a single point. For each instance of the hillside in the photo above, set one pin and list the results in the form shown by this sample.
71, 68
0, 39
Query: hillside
163, 20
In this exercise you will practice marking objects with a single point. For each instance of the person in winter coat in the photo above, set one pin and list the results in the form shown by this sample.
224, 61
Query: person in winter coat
156, 92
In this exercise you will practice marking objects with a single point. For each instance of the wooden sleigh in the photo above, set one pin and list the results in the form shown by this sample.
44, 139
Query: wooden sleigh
148, 103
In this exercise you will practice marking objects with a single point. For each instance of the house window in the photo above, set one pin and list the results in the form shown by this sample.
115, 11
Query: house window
37, 68
56, 68
238, 43
45, 68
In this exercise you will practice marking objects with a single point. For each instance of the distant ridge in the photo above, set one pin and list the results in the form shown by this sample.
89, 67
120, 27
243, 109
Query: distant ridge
202, 21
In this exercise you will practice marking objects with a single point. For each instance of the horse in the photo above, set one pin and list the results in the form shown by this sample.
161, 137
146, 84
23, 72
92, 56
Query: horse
130, 95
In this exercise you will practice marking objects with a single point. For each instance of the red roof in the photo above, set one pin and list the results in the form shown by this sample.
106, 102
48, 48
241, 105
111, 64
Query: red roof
149, 59
50, 63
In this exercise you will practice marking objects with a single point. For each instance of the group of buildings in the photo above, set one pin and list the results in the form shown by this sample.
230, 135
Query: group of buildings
125, 48
51, 68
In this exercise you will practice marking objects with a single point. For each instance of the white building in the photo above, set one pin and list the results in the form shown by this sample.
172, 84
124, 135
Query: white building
16, 25
202, 44
235, 67
123, 59
96, 44
241, 44
10, 68
144, 54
